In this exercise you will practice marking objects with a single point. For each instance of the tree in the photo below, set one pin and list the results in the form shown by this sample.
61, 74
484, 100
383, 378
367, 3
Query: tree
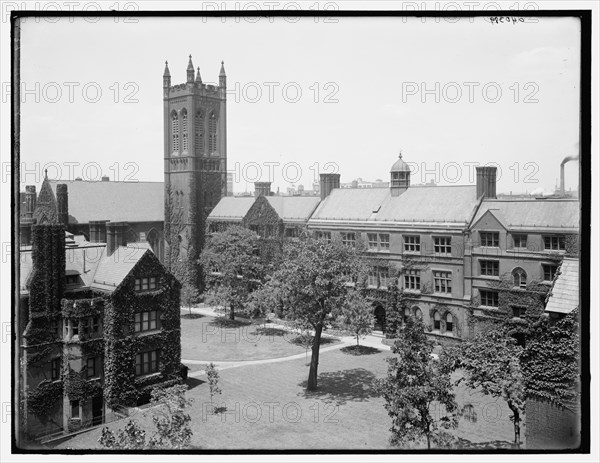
491, 362
213, 381
415, 381
189, 292
173, 430
312, 283
357, 315
233, 267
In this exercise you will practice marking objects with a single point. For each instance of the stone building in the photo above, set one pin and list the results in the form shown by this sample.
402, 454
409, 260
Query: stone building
99, 322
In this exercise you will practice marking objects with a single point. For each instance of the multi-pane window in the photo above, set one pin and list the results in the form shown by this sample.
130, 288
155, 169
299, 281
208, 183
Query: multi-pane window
554, 243
488, 298
490, 268
372, 239
75, 327
442, 245
75, 409
96, 324
449, 323
412, 280
519, 278
436, 321
518, 311
145, 284
378, 242
212, 133
384, 241
489, 239
199, 132
55, 369
184, 129
520, 241
378, 277
412, 243
442, 282
549, 271
372, 277
175, 132
146, 321
406, 315
383, 277
92, 367
323, 235
146, 363
348, 239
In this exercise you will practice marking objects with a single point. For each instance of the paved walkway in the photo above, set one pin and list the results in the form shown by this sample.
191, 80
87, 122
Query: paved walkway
345, 341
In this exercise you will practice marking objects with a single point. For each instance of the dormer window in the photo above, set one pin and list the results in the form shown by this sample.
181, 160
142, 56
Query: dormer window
145, 284
554, 243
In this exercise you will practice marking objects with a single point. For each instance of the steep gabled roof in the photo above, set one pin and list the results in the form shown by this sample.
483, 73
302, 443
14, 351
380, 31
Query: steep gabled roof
564, 295
113, 269
232, 208
292, 208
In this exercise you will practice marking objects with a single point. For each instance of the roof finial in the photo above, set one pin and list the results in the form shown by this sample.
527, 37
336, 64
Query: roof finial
400, 154
46, 173
222, 73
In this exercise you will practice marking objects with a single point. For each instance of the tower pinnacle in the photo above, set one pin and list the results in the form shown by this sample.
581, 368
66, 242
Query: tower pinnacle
190, 71
222, 73
198, 78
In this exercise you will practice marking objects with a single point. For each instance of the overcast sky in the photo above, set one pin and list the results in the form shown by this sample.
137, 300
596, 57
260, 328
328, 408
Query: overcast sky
361, 82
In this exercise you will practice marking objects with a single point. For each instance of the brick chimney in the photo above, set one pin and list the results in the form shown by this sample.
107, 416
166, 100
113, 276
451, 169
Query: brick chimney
115, 236
62, 204
328, 182
98, 231
262, 188
486, 181
30, 200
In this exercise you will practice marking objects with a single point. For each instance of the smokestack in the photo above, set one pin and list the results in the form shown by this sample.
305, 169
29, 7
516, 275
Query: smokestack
62, 204
328, 182
30, 200
486, 181
262, 188
115, 236
562, 172
98, 231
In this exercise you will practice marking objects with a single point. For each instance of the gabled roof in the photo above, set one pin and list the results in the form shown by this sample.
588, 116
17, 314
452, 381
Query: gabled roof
564, 295
114, 201
350, 204
289, 208
232, 208
525, 214
113, 269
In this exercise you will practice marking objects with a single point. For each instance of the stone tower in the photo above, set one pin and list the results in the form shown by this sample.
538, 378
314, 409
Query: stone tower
195, 157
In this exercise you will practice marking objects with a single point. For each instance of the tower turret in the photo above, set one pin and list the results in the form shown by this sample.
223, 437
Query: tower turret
222, 76
166, 76
190, 71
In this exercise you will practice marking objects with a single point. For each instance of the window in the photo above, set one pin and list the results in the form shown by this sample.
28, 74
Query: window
199, 132
449, 322
418, 314
489, 239
489, 298
146, 363
55, 328
519, 278
383, 277
549, 271
348, 239
372, 277
74, 409
75, 325
92, 367
442, 282
436, 321
412, 280
554, 243
518, 311
489, 268
378, 277
85, 326
96, 325
146, 321
145, 284
55, 369
384, 241
291, 232
372, 238
520, 241
184, 129
72, 279
412, 244
406, 314
441, 245
323, 235
212, 133
175, 132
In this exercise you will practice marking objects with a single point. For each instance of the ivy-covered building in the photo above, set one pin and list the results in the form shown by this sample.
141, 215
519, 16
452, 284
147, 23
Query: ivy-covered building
99, 324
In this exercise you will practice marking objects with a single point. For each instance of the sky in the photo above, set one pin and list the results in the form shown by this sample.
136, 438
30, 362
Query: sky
309, 96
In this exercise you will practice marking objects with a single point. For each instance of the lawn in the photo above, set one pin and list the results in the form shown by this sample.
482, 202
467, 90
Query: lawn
219, 339
267, 407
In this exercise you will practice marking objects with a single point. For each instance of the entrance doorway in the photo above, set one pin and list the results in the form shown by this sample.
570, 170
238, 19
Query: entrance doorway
97, 410
379, 313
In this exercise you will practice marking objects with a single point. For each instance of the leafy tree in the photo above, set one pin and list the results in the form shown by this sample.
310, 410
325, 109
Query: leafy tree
173, 430
213, 380
312, 283
190, 294
491, 362
233, 267
416, 381
357, 315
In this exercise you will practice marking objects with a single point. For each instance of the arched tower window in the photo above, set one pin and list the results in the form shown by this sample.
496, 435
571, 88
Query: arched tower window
175, 132
212, 133
199, 132
184, 129
436, 321
418, 314
519, 278
449, 322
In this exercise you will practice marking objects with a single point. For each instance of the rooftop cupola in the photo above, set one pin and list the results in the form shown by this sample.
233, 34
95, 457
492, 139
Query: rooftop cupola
190, 71
399, 177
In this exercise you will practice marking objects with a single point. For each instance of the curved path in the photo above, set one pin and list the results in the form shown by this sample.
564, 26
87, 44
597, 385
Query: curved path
369, 341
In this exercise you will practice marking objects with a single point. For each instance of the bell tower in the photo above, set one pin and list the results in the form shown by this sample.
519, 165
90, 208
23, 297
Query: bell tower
195, 164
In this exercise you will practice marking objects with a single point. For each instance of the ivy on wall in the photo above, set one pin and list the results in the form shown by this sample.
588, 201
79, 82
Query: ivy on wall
44, 398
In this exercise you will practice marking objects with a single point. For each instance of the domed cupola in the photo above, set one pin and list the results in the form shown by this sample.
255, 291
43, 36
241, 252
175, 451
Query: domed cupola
399, 177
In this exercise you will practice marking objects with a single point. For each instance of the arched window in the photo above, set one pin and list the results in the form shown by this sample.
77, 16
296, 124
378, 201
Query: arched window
175, 132
436, 321
184, 129
212, 133
199, 132
406, 315
519, 278
418, 314
449, 322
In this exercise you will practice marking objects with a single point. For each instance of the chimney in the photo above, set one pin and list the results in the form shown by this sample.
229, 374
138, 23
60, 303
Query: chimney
562, 172
328, 182
30, 200
105, 178
98, 231
486, 181
115, 236
62, 204
262, 188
